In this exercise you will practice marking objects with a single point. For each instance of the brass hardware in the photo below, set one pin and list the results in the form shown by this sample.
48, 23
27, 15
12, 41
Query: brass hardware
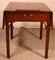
28, 16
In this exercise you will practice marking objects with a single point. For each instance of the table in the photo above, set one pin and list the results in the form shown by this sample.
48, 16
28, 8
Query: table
28, 12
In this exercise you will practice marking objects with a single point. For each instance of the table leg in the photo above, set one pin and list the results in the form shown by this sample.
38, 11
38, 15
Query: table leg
47, 39
4, 21
51, 21
41, 29
7, 40
11, 30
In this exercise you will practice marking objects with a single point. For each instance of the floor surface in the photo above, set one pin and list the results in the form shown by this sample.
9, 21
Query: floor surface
26, 44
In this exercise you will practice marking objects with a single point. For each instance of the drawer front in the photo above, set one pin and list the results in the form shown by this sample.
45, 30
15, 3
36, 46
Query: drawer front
29, 17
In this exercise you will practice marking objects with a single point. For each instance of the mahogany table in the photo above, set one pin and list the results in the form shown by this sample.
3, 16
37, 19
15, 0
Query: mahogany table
28, 12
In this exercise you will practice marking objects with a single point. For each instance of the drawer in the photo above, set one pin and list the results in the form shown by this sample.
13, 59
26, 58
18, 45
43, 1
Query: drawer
28, 17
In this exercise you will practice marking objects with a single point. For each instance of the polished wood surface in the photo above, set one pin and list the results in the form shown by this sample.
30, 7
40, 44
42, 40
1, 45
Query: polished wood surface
28, 17
13, 6
28, 12
31, 7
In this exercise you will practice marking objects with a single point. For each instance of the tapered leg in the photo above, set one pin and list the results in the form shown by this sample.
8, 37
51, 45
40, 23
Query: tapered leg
7, 40
3, 25
11, 29
41, 29
47, 39
51, 21
4, 21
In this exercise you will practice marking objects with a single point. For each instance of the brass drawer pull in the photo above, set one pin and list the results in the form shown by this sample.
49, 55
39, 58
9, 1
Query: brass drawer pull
28, 16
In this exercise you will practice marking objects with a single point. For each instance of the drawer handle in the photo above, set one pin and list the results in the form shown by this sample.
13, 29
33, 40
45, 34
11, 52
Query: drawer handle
28, 16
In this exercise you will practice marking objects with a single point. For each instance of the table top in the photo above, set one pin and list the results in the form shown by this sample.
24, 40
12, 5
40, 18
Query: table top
37, 6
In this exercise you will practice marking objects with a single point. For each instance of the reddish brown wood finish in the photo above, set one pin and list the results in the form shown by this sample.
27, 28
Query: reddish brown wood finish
28, 17
11, 30
25, 14
7, 39
41, 30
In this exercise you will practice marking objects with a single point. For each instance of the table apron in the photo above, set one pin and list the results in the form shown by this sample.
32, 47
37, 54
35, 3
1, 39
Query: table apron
29, 17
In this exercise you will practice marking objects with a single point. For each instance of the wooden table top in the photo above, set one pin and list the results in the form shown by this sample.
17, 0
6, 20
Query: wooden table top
13, 6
